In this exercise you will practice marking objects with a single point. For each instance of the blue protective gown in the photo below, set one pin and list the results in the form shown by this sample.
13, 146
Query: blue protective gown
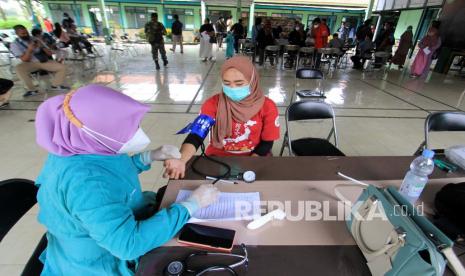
90, 205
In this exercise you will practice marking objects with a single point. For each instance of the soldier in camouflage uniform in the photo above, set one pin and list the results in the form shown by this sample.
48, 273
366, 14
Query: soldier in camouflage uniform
154, 31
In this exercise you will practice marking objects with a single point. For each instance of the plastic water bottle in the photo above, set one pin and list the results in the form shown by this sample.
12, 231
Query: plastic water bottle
416, 178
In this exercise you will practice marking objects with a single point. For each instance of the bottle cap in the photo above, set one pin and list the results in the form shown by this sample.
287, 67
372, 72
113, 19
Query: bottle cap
428, 153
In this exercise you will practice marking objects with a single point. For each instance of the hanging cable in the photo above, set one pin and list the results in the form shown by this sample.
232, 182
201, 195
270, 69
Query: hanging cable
223, 164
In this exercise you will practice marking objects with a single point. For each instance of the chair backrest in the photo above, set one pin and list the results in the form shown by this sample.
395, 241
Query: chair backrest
382, 54
326, 51
307, 50
291, 48
309, 73
273, 48
307, 110
17, 196
444, 121
248, 45
310, 110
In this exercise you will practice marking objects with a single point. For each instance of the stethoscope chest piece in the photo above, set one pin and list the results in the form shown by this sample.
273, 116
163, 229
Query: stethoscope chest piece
175, 268
248, 176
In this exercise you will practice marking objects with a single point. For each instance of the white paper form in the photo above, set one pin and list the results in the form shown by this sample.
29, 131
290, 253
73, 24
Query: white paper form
230, 206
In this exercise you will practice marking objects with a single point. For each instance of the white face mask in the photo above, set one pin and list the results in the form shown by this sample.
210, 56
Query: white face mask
137, 143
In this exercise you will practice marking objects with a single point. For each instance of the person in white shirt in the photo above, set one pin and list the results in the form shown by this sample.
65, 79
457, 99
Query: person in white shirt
35, 56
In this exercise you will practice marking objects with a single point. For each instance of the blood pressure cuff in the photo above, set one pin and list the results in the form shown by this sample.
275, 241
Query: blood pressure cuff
200, 126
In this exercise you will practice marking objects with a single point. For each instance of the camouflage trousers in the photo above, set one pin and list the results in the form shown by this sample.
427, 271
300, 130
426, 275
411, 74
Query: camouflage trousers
158, 47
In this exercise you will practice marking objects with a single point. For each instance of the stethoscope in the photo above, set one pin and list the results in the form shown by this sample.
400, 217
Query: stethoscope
177, 268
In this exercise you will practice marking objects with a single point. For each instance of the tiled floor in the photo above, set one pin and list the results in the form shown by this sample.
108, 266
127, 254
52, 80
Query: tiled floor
376, 115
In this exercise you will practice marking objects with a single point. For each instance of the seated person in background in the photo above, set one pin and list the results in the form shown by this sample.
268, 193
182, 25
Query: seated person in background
75, 37
61, 35
246, 122
48, 40
35, 55
296, 36
265, 38
98, 219
5, 94
336, 43
364, 52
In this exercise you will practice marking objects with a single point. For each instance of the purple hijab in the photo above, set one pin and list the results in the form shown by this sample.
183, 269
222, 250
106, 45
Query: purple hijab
99, 108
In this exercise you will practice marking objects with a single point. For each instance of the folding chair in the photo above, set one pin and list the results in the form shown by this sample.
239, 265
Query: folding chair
241, 43
309, 74
248, 49
327, 57
306, 54
17, 196
441, 121
34, 266
6, 51
310, 110
290, 55
373, 63
272, 52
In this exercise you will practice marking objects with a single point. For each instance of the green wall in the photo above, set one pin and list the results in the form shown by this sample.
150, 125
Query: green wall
196, 7
407, 18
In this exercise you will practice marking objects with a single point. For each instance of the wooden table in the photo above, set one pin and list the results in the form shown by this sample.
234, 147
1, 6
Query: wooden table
295, 247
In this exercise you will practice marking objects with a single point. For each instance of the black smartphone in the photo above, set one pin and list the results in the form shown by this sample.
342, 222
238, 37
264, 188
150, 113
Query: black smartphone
207, 237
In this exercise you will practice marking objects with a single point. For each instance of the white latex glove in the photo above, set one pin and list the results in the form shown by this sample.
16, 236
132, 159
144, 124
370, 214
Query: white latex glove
165, 152
203, 196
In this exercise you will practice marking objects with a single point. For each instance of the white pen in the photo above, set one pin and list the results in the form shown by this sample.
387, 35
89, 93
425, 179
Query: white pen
221, 180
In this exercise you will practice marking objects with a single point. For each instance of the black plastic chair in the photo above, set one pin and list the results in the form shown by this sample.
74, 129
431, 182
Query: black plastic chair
308, 110
441, 121
309, 74
17, 196
34, 266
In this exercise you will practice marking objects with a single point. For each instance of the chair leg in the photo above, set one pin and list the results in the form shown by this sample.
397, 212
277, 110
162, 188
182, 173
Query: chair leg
420, 148
283, 145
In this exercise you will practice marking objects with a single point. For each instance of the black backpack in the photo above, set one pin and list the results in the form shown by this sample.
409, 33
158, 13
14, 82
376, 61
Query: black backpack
450, 206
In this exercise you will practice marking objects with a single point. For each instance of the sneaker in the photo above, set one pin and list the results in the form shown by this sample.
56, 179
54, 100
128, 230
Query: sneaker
157, 66
182, 52
171, 49
165, 62
59, 88
4, 105
30, 93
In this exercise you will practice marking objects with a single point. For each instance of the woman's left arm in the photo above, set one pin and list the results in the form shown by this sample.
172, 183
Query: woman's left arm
263, 148
270, 130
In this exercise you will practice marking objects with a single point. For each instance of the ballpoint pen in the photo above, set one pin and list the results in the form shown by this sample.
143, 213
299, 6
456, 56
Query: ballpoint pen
220, 180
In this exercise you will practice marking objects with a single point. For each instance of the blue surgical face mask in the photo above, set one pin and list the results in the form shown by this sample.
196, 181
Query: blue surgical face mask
237, 94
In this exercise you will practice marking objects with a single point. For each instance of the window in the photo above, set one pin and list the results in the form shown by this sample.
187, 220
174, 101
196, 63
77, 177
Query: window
75, 11
214, 15
287, 15
136, 17
186, 17
330, 21
113, 15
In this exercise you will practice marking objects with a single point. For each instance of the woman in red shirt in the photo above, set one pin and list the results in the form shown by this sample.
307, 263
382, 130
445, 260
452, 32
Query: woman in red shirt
246, 122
